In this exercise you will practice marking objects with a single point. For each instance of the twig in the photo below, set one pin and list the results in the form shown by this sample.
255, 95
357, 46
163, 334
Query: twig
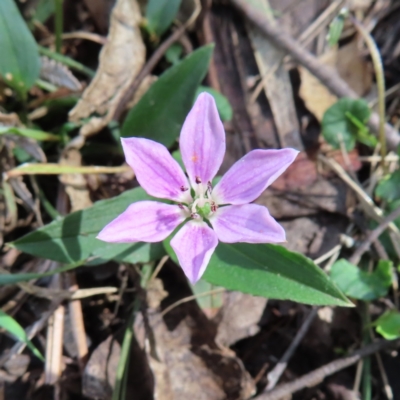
93, 37
369, 206
373, 235
147, 68
327, 75
274, 375
77, 323
158, 268
190, 298
319, 374
380, 83
316, 27
31, 332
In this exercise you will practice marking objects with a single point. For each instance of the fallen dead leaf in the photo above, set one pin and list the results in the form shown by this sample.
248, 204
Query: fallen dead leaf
235, 324
100, 372
351, 66
184, 358
121, 59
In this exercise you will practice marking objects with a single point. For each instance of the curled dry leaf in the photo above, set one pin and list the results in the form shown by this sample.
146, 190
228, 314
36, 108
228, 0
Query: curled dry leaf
351, 66
58, 74
121, 59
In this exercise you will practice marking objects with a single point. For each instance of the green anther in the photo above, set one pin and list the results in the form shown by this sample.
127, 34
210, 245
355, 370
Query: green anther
205, 210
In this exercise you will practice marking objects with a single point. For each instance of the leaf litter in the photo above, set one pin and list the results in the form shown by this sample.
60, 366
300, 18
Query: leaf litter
183, 347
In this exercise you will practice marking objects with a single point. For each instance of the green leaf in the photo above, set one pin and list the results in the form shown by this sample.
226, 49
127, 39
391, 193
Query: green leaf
362, 285
388, 325
178, 158
335, 30
208, 296
345, 121
389, 187
15, 329
223, 105
73, 238
19, 60
174, 52
270, 271
29, 133
160, 15
43, 11
160, 113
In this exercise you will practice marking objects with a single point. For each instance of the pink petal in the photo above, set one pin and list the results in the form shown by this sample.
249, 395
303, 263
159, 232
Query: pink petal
251, 175
144, 221
194, 244
156, 171
202, 140
250, 223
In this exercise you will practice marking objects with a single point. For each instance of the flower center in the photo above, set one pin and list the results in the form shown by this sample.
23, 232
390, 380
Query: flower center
203, 205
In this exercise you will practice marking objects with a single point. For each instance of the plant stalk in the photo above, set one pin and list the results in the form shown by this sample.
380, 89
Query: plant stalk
380, 82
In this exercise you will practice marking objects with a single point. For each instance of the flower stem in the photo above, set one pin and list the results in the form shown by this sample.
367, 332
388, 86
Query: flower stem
380, 81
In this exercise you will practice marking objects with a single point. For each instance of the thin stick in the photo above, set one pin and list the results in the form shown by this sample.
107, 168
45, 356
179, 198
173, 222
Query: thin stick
318, 375
373, 235
369, 206
327, 75
380, 83
158, 268
328, 254
190, 298
274, 375
147, 68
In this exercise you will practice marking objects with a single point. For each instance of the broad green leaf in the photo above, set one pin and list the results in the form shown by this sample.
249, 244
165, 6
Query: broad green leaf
15, 329
270, 271
223, 105
160, 15
359, 284
345, 122
388, 325
19, 60
389, 187
29, 133
73, 238
160, 113
209, 297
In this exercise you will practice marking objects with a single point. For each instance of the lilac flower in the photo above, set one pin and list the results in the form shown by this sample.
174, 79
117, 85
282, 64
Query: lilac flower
226, 207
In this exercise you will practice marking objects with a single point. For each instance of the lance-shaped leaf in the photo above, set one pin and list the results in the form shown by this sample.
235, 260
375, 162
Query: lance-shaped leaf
73, 238
160, 113
271, 271
19, 60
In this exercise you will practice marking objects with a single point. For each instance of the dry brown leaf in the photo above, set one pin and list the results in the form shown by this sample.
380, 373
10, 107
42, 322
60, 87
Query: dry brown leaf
100, 372
58, 74
276, 82
121, 59
236, 324
185, 360
351, 66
